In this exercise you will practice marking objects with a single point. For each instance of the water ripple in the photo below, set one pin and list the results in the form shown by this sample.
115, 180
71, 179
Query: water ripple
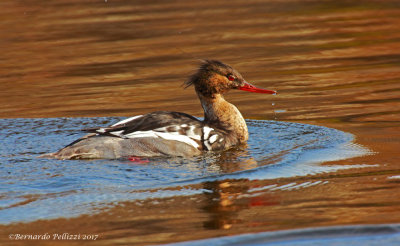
33, 188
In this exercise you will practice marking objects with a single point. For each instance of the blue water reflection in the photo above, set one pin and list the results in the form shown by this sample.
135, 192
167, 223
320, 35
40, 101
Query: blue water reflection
33, 188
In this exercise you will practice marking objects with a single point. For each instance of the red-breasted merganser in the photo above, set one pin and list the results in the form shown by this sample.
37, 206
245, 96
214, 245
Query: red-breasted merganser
172, 133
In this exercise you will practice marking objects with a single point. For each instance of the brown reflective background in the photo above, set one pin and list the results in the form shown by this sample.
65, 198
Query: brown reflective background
334, 63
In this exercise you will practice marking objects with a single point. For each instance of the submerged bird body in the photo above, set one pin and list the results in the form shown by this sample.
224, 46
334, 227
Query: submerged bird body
172, 133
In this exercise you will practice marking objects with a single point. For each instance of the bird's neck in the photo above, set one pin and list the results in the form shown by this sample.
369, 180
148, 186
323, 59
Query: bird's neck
220, 113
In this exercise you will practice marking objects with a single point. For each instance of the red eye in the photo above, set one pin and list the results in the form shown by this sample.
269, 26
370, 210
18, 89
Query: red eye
231, 78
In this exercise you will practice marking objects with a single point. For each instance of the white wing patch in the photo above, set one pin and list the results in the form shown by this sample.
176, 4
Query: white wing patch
207, 131
164, 135
189, 133
207, 145
118, 133
126, 120
213, 138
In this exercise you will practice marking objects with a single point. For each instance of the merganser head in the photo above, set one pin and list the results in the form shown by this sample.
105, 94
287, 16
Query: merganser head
215, 77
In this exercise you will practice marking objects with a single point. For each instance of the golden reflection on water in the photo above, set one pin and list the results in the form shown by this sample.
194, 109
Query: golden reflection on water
117, 58
334, 63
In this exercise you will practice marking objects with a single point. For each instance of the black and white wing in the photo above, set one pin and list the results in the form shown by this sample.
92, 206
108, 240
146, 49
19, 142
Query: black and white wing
163, 125
214, 138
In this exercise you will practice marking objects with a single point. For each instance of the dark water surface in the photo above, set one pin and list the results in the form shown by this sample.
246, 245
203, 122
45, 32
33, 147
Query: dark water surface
335, 64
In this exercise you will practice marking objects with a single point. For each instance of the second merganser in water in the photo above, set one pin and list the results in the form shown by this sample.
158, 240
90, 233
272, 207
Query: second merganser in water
172, 133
